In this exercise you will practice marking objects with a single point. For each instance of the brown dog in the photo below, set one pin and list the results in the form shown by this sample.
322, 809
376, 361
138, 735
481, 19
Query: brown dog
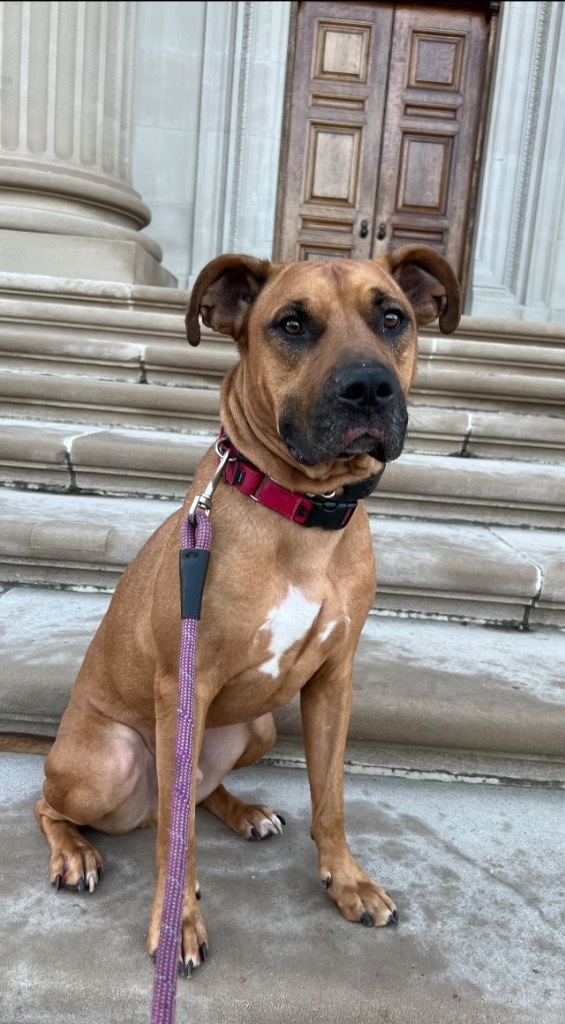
318, 403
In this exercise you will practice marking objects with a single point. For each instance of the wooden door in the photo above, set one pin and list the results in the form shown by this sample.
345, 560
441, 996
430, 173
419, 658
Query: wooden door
384, 112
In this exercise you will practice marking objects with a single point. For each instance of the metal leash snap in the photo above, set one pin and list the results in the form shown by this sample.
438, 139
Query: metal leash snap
203, 502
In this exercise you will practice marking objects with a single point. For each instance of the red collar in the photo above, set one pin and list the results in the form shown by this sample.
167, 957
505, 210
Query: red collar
325, 510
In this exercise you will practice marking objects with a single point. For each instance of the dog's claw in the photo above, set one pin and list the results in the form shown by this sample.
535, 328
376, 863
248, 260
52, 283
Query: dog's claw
328, 881
186, 970
281, 819
366, 919
203, 952
393, 919
81, 885
254, 833
277, 822
57, 882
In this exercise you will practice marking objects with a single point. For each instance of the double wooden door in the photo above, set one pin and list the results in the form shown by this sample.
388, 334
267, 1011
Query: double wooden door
384, 110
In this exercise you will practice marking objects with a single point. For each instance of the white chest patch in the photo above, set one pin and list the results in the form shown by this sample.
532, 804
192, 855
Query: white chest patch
287, 623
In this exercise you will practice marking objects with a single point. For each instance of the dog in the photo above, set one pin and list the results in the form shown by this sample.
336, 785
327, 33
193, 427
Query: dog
312, 411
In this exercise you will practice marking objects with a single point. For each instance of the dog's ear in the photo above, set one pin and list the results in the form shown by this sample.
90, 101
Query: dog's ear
429, 284
222, 294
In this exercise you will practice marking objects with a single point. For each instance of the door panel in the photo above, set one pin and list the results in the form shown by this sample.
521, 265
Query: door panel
382, 128
331, 177
430, 131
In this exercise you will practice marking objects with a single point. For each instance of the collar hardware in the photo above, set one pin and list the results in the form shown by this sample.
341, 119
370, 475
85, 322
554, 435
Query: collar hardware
329, 513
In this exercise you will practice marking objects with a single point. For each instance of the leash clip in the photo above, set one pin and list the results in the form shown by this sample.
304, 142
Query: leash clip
203, 502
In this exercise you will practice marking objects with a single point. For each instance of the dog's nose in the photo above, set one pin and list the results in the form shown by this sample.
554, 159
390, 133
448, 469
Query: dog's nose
365, 387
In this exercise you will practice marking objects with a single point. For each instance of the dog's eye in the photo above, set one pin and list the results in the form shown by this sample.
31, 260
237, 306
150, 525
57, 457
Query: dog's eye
292, 326
392, 319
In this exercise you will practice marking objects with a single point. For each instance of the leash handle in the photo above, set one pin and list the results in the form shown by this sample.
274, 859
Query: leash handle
166, 961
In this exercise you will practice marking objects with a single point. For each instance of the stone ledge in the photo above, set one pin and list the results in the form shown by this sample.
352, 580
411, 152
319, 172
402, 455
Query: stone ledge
418, 685
433, 764
486, 363
43, 290
458, 570
110, 402
472, 490
158, 463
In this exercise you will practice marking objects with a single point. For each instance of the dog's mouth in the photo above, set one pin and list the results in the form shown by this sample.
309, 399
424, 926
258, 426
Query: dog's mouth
358, 440
353, 441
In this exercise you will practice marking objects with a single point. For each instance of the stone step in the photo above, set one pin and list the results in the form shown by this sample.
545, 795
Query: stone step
431, 698
114, 403
116, 355
68, 325
499, 574
121, 461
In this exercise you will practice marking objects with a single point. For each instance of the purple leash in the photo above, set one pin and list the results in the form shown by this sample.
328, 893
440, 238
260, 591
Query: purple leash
193, 565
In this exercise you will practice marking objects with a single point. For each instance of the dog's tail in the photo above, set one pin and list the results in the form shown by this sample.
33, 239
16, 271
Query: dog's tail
25, 743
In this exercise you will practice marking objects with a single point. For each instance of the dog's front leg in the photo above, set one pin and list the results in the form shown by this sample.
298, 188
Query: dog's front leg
326, 707
194, 939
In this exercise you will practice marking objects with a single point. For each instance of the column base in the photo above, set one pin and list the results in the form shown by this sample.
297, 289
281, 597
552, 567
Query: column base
75, 256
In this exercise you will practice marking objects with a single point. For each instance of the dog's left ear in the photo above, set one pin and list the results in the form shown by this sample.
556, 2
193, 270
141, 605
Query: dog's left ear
429, 284
222, 294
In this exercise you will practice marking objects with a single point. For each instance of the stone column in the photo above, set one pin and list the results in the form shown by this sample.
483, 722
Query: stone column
519, 260
67, 207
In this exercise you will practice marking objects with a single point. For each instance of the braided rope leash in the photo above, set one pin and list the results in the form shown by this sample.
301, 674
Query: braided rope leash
193, 566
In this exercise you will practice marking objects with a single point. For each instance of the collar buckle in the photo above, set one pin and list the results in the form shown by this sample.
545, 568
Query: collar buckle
328, 511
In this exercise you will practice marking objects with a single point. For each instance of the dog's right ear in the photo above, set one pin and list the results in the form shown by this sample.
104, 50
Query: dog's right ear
223, 293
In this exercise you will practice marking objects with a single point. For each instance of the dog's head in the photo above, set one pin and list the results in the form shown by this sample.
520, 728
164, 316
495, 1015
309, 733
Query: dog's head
329, 348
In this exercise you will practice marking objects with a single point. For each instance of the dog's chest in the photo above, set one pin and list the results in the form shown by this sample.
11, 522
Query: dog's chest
292, 621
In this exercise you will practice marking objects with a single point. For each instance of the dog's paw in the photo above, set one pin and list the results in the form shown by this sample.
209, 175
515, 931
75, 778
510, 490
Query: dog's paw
251, 821
188, 963
262, 822
359, 898
78, 868
194, 941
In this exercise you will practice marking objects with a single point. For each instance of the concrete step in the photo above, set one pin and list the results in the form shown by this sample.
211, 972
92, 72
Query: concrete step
116, 355
149, 403
492, 361
499, 574
480, 939
485, 702
90, 459
111, 402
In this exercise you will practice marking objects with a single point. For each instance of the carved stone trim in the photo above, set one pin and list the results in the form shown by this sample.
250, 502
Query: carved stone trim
531, 129
239, 124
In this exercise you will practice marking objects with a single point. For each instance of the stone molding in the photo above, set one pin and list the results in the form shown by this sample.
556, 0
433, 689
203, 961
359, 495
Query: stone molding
240, 128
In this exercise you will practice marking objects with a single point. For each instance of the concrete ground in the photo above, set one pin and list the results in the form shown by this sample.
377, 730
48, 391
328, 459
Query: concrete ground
476, 870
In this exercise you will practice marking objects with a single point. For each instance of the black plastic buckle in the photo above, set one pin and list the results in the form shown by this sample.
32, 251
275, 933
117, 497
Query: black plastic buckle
330, 515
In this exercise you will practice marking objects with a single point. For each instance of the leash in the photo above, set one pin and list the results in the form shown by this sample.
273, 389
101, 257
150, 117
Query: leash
327, 511
196, 538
